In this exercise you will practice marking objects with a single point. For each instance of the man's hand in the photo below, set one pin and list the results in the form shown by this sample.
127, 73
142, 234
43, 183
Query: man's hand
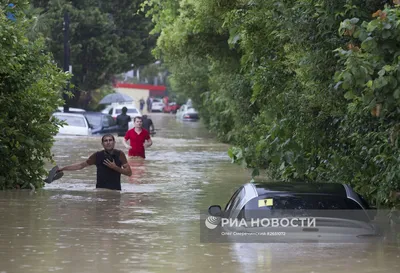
125, 143
110, 164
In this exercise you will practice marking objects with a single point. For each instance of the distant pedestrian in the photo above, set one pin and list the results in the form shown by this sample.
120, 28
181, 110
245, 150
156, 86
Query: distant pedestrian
123, 122
148, 124
149, 103
142, 102
165, 100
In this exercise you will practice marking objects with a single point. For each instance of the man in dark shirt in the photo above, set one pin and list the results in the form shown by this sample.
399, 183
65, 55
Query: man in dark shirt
110, 163
147, 124
123, 122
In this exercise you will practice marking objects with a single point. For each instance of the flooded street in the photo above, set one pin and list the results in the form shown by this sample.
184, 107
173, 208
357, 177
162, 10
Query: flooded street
152, 225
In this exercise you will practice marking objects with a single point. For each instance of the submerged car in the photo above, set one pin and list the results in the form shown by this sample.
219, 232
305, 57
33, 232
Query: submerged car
336, 211
77, 124
187, 113
101, 123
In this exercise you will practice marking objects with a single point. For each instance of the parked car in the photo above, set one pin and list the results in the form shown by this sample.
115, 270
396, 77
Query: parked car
157, 105
101, 123
77, 124
187, 113
115, 109
338, 210
71, 109
172, 107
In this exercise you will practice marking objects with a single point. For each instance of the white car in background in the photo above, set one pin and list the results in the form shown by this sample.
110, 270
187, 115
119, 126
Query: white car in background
77, 124
71, 109
187, 113
115, 109
157, 105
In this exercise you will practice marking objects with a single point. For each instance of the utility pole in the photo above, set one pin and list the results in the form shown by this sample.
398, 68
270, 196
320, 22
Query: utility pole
66, 57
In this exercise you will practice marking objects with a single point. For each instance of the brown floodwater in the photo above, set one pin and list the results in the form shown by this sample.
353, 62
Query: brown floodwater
152, 225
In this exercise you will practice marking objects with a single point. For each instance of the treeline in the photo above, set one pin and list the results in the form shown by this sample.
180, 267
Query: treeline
308, 89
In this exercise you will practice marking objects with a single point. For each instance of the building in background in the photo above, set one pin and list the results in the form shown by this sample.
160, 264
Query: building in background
138, 91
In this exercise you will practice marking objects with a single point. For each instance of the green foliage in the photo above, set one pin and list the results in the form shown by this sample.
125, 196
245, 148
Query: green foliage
272, 78
106, 38
30, 85
370, 80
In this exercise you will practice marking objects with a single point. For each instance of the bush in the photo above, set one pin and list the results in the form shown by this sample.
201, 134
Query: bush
30, 85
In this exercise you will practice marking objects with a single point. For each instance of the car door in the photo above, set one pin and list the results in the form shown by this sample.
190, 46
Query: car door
109, 125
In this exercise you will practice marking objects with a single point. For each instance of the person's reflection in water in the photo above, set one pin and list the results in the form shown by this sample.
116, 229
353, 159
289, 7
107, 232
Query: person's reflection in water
138, 168
105, 226
107, 209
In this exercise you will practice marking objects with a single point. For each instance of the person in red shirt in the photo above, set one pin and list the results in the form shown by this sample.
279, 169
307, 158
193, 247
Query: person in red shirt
139, 139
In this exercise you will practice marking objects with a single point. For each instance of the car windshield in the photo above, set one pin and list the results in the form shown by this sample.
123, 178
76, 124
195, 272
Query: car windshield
73, 120
303, 204
311, 202
130, 110
94, 120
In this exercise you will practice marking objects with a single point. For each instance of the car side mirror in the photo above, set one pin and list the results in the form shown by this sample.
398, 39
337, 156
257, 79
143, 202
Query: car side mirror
215, 210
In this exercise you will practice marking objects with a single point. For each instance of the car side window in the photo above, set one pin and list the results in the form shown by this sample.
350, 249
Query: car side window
111, 121
111, 111
229, 205
105, 122
238, 200
235, 200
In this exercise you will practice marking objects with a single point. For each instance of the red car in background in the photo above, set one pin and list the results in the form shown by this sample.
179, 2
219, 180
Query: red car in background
172, 107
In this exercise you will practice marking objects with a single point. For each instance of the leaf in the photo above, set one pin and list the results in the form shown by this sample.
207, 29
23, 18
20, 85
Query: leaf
388, 68
349, 95
396, 93
338, 84
387, 26
354, 21
386, 34
255, 172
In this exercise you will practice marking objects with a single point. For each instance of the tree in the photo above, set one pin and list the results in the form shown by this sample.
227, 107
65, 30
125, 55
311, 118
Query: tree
30, 85
106, 38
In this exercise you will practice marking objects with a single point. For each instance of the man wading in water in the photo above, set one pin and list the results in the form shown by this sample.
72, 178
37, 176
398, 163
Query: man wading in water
110, 163
139, 139
123, 122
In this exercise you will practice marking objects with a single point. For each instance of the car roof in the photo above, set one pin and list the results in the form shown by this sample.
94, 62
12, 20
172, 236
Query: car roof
72, 109
264, 188
69, 114
125, 105
96, 114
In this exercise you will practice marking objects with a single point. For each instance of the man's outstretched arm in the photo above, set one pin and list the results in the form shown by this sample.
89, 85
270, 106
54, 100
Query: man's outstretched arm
74, 167
79, 166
